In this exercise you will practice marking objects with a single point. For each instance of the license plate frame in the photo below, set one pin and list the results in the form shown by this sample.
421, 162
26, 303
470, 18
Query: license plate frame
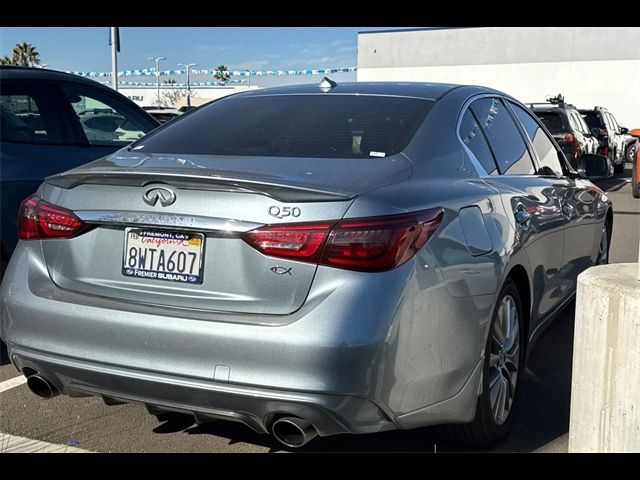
195, 243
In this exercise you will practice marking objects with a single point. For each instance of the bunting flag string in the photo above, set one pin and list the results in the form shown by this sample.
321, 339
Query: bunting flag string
151, 72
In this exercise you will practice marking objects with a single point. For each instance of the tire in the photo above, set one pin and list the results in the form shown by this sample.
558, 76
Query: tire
605, 244
617, 169
635, 184
630, 153
501, 373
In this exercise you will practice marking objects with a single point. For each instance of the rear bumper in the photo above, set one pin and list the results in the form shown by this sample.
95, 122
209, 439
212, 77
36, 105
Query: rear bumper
358, 357
206, 401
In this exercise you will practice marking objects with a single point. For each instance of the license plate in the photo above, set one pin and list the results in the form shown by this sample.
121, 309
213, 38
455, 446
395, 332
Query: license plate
163, 255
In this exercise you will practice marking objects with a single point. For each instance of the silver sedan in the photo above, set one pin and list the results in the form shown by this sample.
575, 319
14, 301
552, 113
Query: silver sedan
309, 260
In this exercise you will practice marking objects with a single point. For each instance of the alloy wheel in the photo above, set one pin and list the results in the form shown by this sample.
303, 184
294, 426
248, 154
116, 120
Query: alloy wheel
504, 360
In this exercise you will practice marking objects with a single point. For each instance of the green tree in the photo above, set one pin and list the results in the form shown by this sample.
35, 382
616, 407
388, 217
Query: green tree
222, 74
24, 54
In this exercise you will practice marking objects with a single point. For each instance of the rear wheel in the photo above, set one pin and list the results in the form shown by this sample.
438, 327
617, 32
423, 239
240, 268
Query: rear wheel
502, 368
630, 154
605, 241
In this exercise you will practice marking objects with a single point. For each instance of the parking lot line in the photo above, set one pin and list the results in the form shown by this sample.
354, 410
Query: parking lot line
15, 444
12, 383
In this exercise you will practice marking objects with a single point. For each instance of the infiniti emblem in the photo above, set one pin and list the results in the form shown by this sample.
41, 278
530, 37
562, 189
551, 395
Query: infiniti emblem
164, 195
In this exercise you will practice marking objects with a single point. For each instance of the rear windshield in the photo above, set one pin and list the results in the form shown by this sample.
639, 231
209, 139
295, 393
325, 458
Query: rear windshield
325, 126
552, 120
592, 119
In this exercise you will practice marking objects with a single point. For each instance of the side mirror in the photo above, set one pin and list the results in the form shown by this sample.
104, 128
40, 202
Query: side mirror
593, 167
624, 130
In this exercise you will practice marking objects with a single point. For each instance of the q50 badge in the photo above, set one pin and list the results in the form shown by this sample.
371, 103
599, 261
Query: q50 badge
284, 212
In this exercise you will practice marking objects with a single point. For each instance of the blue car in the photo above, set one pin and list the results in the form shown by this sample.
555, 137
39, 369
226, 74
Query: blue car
50, 122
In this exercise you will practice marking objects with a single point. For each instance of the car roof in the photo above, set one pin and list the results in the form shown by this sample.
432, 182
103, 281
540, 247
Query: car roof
431, 91
12, 72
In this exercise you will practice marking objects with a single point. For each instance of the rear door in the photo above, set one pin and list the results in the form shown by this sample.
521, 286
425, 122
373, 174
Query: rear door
577, 201
36, 143
533, 200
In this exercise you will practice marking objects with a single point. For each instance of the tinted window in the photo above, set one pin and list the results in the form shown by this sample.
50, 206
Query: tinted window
504, 138
24, 118
473, 137
548, 161
329, 126
552, 120
582, 127
592, 119
106, 120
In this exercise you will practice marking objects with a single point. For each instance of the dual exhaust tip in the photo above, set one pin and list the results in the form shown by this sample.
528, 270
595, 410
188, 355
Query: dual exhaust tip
293, 432
41, 386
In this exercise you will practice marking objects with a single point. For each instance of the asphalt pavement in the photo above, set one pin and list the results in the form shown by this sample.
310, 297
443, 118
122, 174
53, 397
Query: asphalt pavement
541, 419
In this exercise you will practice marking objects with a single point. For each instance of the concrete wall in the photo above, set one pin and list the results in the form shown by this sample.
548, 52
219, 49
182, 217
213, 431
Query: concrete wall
146, 96
588, 65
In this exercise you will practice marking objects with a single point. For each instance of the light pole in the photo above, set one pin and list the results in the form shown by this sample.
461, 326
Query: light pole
157, 60
188, 67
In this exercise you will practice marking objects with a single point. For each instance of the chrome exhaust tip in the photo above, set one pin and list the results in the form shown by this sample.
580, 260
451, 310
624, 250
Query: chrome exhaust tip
293, 432
41, 386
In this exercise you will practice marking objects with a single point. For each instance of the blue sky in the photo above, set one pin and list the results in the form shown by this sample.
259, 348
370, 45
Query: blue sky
266, 48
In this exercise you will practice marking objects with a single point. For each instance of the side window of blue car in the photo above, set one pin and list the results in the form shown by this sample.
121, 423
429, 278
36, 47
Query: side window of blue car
26, 116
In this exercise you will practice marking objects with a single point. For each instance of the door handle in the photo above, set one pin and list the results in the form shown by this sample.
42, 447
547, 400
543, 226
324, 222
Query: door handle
523, 218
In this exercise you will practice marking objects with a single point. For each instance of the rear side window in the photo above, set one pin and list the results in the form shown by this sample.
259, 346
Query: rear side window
106, 120
473, 137
593, 120
552, 120
549, 162
26, 117
505, 140
325, 126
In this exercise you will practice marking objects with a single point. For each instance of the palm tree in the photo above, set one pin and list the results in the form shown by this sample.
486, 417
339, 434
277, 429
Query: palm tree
25, 54
222, 74
6, 60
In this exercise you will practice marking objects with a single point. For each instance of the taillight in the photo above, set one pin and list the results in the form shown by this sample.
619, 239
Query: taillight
298, 241
563, 138
365, 244
39, 219
604, 150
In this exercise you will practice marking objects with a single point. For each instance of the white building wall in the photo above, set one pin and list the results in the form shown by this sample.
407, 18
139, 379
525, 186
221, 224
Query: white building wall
589, 66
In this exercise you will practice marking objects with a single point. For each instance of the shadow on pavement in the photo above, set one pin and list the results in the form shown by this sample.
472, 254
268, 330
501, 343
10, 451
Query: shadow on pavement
616, 183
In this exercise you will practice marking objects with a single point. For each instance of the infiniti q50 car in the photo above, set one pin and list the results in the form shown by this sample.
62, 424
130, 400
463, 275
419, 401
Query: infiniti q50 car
309, 260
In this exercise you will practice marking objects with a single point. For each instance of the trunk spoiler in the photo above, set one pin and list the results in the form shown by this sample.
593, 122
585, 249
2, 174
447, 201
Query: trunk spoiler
280, 192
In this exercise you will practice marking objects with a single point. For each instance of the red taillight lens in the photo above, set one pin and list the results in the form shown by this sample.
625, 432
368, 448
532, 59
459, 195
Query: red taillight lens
605, 151
565, 138
376, 244
301, 241
366, 244
39, 219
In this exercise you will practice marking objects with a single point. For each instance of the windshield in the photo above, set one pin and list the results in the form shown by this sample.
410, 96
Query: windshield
325, 126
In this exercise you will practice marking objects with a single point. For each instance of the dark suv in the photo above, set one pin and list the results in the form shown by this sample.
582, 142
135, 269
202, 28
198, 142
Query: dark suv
565, 123
615, 143
51, 122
